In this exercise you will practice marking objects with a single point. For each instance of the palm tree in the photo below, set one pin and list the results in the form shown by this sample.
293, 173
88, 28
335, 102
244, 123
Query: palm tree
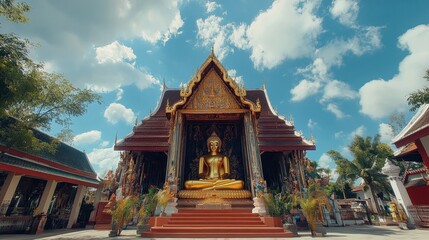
368, 158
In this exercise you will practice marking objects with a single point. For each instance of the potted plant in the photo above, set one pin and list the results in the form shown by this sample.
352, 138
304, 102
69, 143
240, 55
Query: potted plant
122, 213
311, 206
278, 207
147, 210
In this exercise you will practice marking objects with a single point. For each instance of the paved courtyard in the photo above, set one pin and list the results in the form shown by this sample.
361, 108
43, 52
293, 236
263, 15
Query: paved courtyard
337, 233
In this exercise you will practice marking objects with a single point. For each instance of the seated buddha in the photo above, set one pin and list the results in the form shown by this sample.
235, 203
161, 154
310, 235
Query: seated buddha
213, 169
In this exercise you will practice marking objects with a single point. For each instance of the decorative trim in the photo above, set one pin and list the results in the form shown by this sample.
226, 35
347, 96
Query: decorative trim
187, 91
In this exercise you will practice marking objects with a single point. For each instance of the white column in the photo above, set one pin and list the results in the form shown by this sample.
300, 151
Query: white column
97, 199
398, 187
46, 198
8, 190
76, 205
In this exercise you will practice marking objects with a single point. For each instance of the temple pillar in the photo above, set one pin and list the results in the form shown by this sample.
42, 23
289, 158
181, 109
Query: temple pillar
76, 205
174, 153
46, 198
398, 187
8, 190
252, 151
44, 204
97, 200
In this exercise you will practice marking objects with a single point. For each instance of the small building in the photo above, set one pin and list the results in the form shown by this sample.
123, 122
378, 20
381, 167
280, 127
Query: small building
42, 190
413, 144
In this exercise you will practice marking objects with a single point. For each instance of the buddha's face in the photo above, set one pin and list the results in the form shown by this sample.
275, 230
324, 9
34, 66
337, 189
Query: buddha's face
214, 146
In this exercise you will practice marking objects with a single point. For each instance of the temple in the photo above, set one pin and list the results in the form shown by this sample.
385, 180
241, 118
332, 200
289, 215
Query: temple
41, 190
263, 149
166, 145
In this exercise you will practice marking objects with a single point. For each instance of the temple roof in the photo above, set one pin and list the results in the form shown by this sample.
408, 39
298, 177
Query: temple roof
65, 162
418, 127
274, 133
408, 152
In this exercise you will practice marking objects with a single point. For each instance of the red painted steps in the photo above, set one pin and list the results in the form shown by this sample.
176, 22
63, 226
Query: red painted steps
214, 223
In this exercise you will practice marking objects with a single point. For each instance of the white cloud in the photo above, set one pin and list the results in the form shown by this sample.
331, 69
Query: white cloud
87, 137
212, 34
304, 89
103, 159
386, 133
339, 134
68, 41
104, 144
337, 89
325, 161
335, 110
311, 124
331, 55
271, 29
380, 98
233, 74
345, 10
360, 131
116, 112
238, 37
211, 6
119, 94
114, 52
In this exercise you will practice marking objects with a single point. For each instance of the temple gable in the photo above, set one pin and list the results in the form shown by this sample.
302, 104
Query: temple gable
211, 94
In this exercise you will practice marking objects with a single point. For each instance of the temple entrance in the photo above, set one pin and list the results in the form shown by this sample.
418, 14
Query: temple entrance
274, 169
154, 167
196, 135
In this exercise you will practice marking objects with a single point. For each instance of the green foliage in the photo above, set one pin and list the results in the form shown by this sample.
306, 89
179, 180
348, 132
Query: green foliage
14, 12
419, 97
339, 189
123, 211
148, 205
277, 204
311, 205
32, 96
369, 155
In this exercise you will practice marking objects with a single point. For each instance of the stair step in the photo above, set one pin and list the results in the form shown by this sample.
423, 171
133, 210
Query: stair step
214, 215
214, 220
213, 223
217, 235
213, 229
235, 210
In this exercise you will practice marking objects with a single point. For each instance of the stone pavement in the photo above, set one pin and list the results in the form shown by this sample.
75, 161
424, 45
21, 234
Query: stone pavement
338, 233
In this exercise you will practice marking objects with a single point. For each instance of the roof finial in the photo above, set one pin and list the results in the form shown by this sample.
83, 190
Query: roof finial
312, 137
137, 118
164, 86
291, 119
212, 53
116, 137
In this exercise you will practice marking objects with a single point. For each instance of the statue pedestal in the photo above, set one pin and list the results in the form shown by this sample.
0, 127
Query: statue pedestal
259, 206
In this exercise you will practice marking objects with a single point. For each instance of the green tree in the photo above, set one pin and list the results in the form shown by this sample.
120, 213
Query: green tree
14, 12
31, 98
419, 97
397, 122
369, 155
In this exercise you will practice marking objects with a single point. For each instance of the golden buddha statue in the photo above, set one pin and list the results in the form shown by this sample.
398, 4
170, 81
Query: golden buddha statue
213, 169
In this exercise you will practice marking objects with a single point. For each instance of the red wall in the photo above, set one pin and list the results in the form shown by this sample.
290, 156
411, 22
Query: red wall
419, 195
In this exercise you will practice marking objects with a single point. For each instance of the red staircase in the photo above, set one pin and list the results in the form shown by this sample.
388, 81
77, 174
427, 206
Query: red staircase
213, 223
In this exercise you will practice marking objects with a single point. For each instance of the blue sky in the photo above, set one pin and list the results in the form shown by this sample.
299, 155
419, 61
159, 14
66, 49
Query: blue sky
337, 67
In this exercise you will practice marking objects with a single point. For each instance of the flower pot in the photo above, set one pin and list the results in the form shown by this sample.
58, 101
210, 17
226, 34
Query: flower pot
291, 228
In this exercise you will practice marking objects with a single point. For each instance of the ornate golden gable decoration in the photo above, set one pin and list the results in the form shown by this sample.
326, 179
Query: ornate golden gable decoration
238, 90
